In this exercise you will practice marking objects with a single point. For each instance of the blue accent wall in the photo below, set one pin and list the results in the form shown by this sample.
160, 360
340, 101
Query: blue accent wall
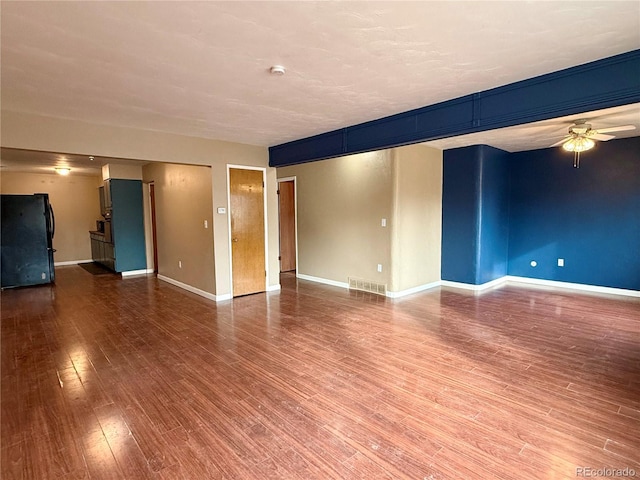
612, 82
589, 216
475, 214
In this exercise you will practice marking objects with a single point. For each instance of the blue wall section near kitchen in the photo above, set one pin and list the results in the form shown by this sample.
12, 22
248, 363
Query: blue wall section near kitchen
589, 216
475, 209
128, 225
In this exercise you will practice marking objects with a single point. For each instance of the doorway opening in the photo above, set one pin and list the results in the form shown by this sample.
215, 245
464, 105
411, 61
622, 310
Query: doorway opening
287, 195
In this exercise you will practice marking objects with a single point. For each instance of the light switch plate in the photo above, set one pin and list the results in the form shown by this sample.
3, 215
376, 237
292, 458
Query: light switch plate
222, 210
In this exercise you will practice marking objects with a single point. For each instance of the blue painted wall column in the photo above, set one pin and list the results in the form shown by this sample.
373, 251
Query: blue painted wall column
475, 214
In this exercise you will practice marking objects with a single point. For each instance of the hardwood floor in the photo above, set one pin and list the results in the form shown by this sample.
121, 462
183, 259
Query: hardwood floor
105, 378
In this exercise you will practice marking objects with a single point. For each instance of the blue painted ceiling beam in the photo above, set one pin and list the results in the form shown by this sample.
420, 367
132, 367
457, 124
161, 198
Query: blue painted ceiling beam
605, 83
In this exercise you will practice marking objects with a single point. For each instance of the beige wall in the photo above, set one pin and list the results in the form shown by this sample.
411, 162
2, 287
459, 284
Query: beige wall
184, 201
75, 203
417, 217
33, 132
342, 201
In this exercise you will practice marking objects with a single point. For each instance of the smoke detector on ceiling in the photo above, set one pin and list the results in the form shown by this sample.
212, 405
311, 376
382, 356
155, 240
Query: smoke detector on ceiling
277, 70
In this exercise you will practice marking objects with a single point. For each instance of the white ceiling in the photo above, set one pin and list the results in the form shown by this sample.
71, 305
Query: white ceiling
201, 68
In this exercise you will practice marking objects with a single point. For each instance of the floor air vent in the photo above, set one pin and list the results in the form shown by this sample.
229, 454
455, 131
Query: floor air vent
367, 286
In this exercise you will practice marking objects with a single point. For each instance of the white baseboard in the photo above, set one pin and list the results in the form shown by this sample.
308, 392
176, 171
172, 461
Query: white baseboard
197, 291
326, 281
130, 273
274, 288
410, 291
573, 286
71, 262
472, 287
485, 286
546, 283
222, 298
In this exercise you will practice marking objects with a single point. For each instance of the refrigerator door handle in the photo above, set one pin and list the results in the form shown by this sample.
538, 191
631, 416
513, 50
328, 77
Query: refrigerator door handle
53, 221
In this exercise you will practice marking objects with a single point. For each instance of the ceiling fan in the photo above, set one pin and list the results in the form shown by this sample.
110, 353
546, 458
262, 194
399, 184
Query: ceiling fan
581, 138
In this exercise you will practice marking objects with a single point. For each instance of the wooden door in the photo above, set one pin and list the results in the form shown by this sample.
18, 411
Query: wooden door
287, 209
246, 190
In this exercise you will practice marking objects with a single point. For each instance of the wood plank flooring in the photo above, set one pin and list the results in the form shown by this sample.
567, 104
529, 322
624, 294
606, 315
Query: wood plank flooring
105, 378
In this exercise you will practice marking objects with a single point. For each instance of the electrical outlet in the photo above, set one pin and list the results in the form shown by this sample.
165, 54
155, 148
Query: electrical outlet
561, 262
383, 222
206, 224
179, 263
379, 267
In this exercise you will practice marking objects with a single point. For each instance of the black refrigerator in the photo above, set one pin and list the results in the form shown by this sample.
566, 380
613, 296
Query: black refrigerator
26, 248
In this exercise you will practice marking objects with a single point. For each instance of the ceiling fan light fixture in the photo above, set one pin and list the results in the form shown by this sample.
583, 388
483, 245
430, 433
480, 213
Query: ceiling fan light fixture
578, 144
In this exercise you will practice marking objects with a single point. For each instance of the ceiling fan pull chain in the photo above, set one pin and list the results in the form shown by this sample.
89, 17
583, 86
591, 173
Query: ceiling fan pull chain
576, 159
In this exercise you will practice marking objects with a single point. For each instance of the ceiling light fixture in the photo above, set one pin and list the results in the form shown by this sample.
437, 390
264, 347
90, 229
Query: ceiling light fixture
576, 144
91, 157
63, 170
277, 70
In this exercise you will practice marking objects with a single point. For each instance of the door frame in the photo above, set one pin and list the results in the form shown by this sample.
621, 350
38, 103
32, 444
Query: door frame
266, 223
295, 216
150, 234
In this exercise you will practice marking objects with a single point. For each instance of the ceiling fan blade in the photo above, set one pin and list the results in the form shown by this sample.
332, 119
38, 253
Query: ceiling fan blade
601, 137
557, 144
621, 128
